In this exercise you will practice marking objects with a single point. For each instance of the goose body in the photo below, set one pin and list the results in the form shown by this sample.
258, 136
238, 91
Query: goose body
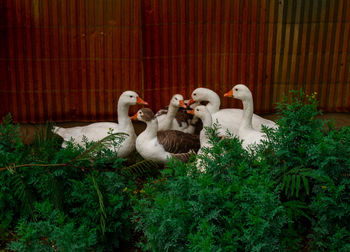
229, 119
246, 130
99, 130
162, 145
175, 117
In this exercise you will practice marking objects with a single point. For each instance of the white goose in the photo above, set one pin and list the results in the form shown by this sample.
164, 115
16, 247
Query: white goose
229, 119
159, 146
173, 119
99, 130
246, 132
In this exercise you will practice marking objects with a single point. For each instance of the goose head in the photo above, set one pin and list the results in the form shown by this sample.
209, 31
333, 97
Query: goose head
200, 111
144, 115
240, 91
190, 103
131, 98
200, 94
177, 101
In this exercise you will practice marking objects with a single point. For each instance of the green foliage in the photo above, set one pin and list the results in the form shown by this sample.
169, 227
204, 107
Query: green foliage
11, 151
330, 203
232, 206
62, 199
304, 155
52, 231
290, 148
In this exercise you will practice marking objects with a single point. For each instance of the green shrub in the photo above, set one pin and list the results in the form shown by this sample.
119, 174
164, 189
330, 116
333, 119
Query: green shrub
51, 230
330, 204
62, 199
234, 205
310, 160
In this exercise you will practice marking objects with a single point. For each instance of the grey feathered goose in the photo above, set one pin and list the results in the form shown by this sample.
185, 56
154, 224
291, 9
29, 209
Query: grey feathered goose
161, 145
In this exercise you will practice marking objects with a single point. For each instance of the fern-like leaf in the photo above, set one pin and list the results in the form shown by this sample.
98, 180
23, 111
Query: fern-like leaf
144, 167
103, 215
20, 190
306, 184
99, 145
297, 186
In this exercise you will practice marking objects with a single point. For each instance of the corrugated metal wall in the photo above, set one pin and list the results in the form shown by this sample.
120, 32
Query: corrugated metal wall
273, 46
67, 60
70, 59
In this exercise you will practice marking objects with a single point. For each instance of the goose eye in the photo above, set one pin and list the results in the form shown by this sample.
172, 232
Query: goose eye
197, 109
236, 89
175, 98
131, 96
194, 94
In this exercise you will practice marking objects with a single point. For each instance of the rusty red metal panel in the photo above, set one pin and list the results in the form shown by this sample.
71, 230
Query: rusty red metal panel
272, 46
66, 60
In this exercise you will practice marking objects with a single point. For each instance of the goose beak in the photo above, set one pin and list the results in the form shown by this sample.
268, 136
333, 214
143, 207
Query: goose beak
229, 94
190, 112
134, 117
182, 104
140, 101
190, 102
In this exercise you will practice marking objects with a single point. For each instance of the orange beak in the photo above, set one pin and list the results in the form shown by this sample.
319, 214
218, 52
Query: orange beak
229, 94
190, 102
182, 104
140, 101
134, 117
190, 112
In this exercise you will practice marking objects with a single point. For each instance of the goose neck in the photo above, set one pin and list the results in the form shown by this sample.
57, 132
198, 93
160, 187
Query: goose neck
151, 128
207, 121
172, 110
213, 102
248, 108
203, 138
123, 117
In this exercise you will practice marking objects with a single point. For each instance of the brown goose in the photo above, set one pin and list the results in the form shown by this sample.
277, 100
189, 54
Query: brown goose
162, 145
174, 117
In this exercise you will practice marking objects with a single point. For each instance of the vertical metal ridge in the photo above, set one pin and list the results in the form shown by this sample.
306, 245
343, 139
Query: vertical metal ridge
74, 65
279, 44
297, 61
270, 49
253, 55
20, 67
333, 80
260, 62
345, 57
327, 57
289, 23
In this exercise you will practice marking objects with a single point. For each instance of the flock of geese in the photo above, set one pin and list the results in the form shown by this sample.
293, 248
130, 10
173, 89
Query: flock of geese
173, 131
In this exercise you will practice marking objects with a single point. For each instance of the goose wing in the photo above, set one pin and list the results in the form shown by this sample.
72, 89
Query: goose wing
175, 141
